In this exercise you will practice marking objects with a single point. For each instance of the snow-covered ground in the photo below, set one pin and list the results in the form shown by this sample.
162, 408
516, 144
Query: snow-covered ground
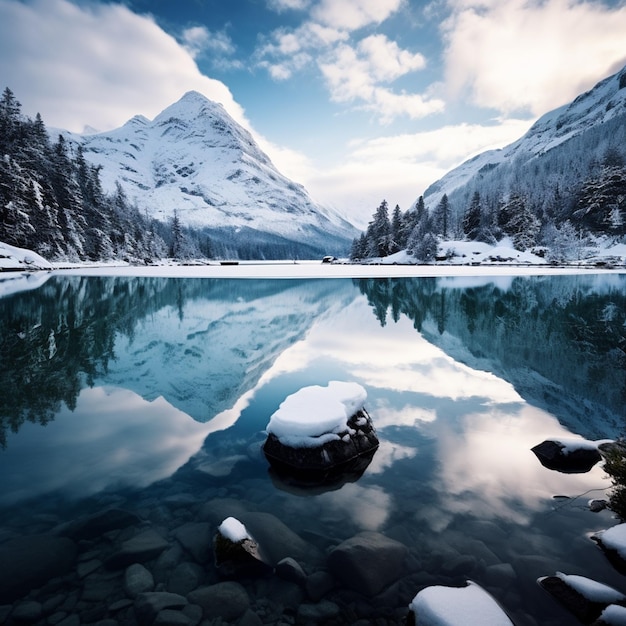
12, 258
464, 258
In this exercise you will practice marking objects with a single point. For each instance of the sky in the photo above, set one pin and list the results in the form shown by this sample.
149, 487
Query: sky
359, 100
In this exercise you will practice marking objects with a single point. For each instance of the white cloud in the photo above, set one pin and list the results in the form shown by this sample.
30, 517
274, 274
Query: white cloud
397, 168
199, 39
354, 75
530, 55
289, 51
97, 64
354, 14
284, 5
387, 61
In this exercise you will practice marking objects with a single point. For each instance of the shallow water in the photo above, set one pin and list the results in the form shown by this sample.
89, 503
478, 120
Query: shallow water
151, 395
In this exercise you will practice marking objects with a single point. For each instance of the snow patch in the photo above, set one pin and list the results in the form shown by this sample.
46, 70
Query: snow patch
314, 415
614, 539
591, 589
12, 258
231, 528
470, 606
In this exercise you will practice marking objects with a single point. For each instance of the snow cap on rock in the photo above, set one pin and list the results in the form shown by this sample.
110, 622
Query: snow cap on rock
314, 411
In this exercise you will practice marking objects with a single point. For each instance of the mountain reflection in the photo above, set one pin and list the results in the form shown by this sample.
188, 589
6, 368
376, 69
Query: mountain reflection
559, 340
199, 343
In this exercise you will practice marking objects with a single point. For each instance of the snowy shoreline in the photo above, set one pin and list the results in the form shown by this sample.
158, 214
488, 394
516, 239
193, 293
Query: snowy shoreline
310, 269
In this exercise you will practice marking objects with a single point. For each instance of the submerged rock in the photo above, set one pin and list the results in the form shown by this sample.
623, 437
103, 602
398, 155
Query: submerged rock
144, 546
367, 562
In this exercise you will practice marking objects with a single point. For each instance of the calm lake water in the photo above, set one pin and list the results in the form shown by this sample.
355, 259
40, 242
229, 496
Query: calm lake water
150, 396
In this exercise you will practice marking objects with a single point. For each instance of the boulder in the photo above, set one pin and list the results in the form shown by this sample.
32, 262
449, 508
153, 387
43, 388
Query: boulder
349, 451
321, 431
367, 562
613, 543
99, 523
236, 552
30, 561
137, 579
143, 547
568, 457
586, 599
195, 538
276, 540
228, 600
149, 605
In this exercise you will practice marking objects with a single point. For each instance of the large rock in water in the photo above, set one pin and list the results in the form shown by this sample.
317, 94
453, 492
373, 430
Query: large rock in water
566, 456
320, 431
584, 597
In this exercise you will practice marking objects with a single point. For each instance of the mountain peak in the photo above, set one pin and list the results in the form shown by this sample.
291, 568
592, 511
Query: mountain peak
194, 159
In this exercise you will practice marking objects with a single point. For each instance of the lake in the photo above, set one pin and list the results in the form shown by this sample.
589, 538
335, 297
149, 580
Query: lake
132, 417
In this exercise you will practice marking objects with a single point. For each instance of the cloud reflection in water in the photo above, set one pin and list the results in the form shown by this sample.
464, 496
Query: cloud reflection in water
113, 438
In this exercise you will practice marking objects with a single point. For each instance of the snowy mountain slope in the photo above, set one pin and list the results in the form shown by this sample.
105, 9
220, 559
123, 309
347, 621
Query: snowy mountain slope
582, 128
195, 160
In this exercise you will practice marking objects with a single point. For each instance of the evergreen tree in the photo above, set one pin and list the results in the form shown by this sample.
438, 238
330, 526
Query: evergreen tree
177, 244
397, 239
441, 217
379, 231
472, 218
602, 201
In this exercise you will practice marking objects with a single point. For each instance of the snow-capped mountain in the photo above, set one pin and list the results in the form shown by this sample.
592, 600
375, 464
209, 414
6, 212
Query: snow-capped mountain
558, 150
195, 160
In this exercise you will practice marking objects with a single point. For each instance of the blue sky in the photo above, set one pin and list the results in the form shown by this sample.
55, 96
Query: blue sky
359, 100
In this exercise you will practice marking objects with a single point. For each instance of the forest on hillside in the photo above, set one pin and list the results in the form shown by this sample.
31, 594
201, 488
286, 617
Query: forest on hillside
52, 202
558, 202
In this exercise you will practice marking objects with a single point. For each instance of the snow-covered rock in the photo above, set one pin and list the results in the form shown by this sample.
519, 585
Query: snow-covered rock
456, 606
318, 429
236, 552
570, 456
193, 158
583, 597
613, 542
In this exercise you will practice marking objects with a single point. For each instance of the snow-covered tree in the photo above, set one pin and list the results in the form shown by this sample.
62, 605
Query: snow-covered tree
378, 232
441, 217
472, 218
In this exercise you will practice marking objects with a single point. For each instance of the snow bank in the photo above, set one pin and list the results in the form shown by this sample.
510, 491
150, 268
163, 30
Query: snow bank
458, 606
233, 529
316, 414
12, 258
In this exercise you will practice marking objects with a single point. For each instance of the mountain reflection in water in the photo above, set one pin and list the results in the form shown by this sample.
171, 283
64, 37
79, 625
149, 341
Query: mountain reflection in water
155, 394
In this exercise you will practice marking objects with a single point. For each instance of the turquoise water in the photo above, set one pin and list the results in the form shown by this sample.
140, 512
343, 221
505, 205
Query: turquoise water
151, 396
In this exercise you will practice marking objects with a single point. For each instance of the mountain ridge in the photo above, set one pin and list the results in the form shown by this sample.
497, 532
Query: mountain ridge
195, 161
601, 104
